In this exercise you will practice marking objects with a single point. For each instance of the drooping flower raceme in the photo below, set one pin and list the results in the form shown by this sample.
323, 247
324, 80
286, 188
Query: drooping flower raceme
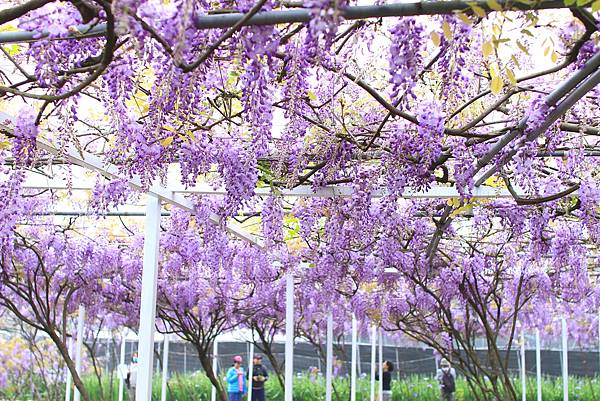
405, 56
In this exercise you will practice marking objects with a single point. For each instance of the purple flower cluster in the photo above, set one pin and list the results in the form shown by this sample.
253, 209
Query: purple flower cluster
272, 221
26, 132
405, 56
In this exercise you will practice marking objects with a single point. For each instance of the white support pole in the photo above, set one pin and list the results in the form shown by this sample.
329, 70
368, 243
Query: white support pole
121, 363
329, 362
148, 302
565, 361
79, 347
380, 364
523, 372
373, 360
353, 360
250, 370
185, 359
165, 368
538, 365
289, 336
215, 361
108, 352
69, 378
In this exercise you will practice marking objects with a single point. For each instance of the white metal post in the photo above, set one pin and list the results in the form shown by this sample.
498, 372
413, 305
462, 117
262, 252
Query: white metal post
380, 364
538, 365
565, 364
353, 360
69, 381
523, 373
165, 368
121, 363
250, 370
148, 302
79, 347
373, 360
215, 361
108, 352
185, 359
289, 336
329, 362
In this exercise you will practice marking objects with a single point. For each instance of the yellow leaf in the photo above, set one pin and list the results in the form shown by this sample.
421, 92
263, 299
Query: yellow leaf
547, 51
169, 128
522, 47
435, 38
554, 57
514, 59
511, 76
191, 135
496, 85
596, 6
488, 49
479, 11
167, 141
447, 30
494, 5
496, 30
494, 182
464, 18
454, 202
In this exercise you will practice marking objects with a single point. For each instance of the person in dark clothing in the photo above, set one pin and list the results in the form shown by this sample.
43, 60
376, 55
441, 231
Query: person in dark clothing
387, 368
259, 377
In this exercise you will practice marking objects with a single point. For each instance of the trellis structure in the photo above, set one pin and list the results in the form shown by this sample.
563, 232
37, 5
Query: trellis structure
561, 99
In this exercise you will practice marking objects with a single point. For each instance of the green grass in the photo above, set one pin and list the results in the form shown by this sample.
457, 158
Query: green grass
414, 388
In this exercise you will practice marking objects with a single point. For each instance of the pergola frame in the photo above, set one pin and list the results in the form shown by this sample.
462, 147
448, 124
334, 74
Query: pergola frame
569, 92
302, 15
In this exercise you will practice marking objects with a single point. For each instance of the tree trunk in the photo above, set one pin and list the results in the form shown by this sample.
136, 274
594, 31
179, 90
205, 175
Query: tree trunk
206, 363
62, 348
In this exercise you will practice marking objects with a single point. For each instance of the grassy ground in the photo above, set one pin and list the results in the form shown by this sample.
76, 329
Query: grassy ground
197, 388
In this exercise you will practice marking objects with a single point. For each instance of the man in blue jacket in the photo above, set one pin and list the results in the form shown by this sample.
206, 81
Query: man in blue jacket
236, 380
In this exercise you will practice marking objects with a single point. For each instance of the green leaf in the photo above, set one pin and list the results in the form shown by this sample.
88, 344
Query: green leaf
596, 6
528, 32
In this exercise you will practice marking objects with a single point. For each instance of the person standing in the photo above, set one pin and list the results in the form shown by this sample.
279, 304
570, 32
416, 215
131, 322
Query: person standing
388, 368
446, 377
236, 380
131, 379
259, 377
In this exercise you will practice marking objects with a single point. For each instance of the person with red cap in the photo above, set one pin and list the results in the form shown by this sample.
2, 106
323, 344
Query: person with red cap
236, 380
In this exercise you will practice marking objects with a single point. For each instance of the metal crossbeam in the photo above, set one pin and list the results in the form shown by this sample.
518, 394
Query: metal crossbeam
304, 15
303, 191
92, 162
574, 88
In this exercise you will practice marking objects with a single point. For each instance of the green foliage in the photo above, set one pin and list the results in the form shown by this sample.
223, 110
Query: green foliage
414, 388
